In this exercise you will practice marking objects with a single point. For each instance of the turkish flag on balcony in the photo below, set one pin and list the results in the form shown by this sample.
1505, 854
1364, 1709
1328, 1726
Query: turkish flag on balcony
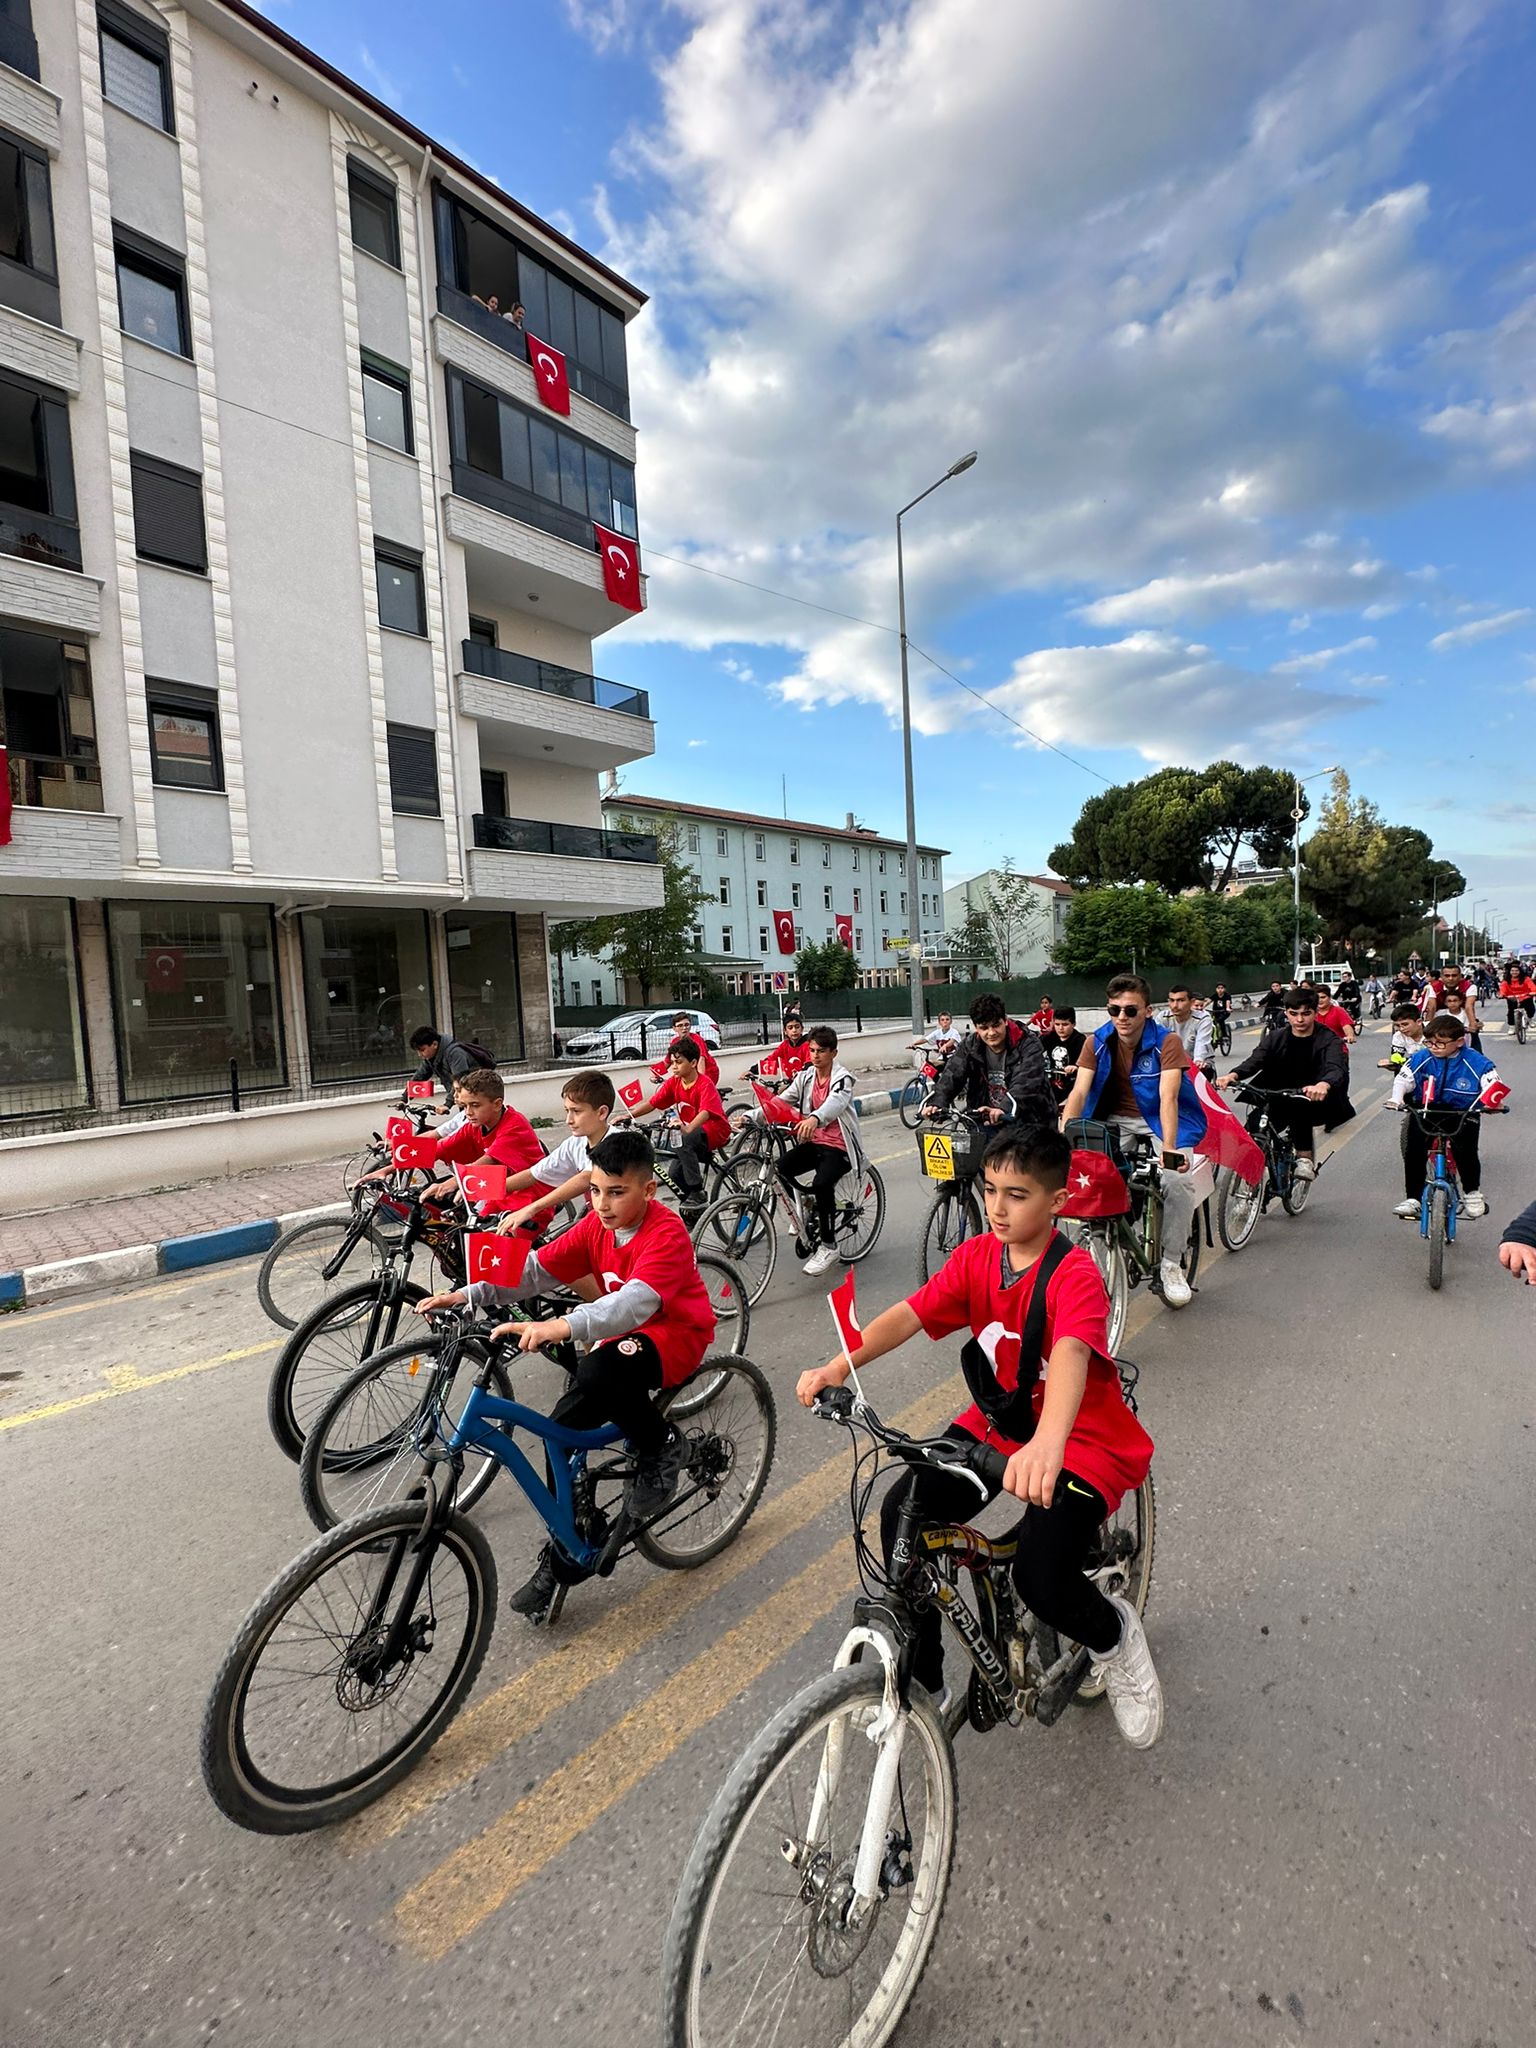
844, 932
165, 970
548, 366
621, 568
5, 800
784, 930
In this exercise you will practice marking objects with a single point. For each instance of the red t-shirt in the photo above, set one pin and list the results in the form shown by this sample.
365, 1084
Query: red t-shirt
1108, 1447
661, 1254
1335, 1018
512, 1143
791, 1057
700, 1100
708, 1064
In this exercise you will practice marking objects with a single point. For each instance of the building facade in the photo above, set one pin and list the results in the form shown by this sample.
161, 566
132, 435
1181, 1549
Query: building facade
299, 578
753, 866
1040, 931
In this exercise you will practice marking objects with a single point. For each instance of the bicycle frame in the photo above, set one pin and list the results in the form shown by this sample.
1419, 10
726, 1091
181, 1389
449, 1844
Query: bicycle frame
483, 1425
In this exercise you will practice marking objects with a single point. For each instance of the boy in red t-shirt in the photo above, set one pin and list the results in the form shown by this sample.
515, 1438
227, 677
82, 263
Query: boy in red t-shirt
648, 1327
1073, 1446
792, 1051
682, 1024
494, 1130
689, 1091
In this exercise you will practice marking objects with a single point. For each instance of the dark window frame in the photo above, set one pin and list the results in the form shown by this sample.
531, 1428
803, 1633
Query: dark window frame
566, 521
385, 372
483, 631
401, 558
148, 258
161, 694
30, 282
153, 44
424, 738
377, 186
152, 467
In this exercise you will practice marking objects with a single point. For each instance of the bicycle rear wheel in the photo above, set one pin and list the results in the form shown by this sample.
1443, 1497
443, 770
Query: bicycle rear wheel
366, 1444
731, 1443
860, 1216
1295, 1188
913, 1096
1224, 1038
313, 1260
1238, 1208
305, 1724
733, 1326
740, 1229
760, 1952
952, 1217
328, 1347
1439, 1213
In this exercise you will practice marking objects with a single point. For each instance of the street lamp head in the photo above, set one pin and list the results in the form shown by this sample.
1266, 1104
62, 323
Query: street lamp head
957, 468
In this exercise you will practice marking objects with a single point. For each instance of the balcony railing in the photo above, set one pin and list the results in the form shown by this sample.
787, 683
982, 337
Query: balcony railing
38, 538
506, 335
51, 783
503, 666
572, 842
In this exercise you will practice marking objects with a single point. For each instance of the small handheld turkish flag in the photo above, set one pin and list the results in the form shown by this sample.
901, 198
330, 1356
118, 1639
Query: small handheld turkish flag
482, 1182
621, 568
784, 930
500, 1260
548, 366
775, 1108
845, 1314
418, 1091
398, 1130
768, 1064
632, 1094
415, 1152
1494, 1096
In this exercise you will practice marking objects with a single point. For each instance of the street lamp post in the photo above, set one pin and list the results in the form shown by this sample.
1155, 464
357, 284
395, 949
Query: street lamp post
914, 923
1296, 815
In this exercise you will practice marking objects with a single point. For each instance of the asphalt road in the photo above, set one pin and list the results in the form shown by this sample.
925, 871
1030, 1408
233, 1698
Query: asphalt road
1332, 1843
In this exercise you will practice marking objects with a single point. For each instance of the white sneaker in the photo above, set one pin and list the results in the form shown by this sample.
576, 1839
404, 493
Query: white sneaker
825, 1255
1306, 1169
1408, 1208
1130, 1678
1473, 1205
1176, 1289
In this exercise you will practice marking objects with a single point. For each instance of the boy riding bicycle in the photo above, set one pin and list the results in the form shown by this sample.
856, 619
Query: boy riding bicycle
648, 1328
588, 1099
1444, 1072
1059, 1415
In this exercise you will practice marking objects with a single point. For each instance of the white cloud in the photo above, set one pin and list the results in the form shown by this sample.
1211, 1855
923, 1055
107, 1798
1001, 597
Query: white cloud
606, 24
1494, 427
1480, 629
1321, 578
1323, 657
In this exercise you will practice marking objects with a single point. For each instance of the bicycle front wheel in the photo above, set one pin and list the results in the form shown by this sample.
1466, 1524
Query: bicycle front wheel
731, 1440
311, 1718
741, 1229
327, 1348
860, 1216
1295, 1189
1238, 1207
765, 1948
313, 1260
913, 1096
1439, 1212
951, 1219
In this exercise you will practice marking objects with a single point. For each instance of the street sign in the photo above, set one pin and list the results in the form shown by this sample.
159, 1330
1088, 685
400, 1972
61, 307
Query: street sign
780, 984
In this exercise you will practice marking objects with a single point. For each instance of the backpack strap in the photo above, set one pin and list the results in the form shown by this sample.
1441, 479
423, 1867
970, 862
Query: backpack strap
1012, 1414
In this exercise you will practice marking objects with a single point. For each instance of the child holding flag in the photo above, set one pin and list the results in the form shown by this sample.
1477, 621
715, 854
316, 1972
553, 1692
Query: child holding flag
689, 1090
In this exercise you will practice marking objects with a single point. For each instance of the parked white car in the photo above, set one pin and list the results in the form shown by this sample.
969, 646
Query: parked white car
637, 1035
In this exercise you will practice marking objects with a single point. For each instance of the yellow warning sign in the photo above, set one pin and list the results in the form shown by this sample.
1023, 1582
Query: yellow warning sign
938, 1156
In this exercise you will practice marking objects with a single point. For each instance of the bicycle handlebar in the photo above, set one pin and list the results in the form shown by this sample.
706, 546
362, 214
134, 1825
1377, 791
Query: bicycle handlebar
974, 1460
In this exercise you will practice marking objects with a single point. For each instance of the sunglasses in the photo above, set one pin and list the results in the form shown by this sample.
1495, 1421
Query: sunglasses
1124, 1009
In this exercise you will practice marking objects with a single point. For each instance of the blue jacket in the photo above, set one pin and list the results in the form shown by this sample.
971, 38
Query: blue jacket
1146, 1076
1458, 1081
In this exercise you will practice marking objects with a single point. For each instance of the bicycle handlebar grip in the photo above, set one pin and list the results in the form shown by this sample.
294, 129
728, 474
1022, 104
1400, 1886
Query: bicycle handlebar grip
832, 1402
989, 1465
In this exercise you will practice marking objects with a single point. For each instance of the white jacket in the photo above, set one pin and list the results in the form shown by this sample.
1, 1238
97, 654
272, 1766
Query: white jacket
839, 1108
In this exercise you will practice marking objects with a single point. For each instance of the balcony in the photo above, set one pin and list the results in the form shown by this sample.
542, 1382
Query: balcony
562, 870
521, 550
486, 345
539, 708
59, 831
35, 537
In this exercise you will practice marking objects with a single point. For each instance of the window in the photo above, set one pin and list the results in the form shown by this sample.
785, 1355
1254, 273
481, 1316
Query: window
794, 895
722, 840
799, 937
387, 404
759, 846
168, 514
725, 888
184, 750
693, 838
794, 853
402, 597
826, 854
42, 1039
762, 895
884, 900
482, 631
48, 722
901, 863
484, 986
725, 938
152, 294
37, 477
366, 988
375, 212
922, 866
882, 860
858, 939
18, 45
696, 937
762, 938
29, 274
858, 899
136, 66
903, 899
412, 770
524, 465
831, 934
194, 985
493, 793
826, 897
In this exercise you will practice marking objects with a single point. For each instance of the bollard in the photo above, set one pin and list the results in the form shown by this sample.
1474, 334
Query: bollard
234, 1084
858, 1018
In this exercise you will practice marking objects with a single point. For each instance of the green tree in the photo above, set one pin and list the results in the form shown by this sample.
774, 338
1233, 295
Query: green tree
974, 945
655, 948
822, 969
1003, 921
1182, 828
1371, 883
1109, 929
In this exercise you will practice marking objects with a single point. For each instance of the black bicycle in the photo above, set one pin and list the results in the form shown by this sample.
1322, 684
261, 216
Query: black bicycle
812, 1897
950, 1150
1240, 1203
1221, 1032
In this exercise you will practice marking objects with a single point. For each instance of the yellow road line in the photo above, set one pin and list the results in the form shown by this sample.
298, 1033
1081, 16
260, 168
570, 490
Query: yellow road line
464, 1890
126, 1379
524, 1703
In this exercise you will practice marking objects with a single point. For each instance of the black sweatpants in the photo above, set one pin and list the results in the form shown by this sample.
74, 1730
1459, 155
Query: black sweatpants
1047, 1571
688, 1161
1469, 1166
614, 1383
826, 1164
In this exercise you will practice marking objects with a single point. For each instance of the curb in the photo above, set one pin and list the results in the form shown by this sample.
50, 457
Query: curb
36, 1286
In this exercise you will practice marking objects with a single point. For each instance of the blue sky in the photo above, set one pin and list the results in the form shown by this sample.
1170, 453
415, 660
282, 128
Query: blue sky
1238, 304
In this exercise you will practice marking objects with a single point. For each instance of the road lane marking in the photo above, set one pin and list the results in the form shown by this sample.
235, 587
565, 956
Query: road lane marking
127, 1379
471, 1884
493, 1725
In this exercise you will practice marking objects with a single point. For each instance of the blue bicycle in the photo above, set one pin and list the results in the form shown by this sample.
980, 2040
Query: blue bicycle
358, 1655
1440, 1203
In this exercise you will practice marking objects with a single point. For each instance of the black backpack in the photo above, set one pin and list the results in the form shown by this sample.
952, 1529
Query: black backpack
1013, 1414
477, 1053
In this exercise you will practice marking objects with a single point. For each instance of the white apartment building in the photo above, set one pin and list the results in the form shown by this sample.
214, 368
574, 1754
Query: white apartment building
1051, 899
753, 866
299, 579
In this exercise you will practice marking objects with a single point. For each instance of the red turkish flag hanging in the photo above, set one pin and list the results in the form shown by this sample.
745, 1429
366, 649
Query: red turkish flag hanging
548, 366
784, 930
5, 800
621, 568
165, 970
845, 932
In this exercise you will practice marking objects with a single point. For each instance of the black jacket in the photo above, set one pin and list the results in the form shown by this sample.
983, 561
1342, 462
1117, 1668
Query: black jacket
450, 1064
1328, 1062
1523, 1229
1024, 1076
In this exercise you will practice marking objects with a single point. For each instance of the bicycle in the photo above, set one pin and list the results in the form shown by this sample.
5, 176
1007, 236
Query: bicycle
1221, 1034
743, 1224
375, 1633
950, 1150
1239, 1203
919, 1092
311, 1259
1441, 1202
811, 1899
1128, 1249
364, 1445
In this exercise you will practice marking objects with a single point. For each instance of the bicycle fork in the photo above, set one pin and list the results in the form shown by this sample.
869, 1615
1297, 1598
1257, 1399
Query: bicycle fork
888, 1731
